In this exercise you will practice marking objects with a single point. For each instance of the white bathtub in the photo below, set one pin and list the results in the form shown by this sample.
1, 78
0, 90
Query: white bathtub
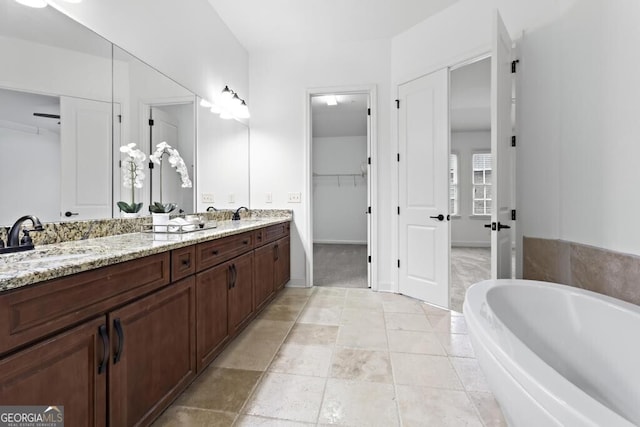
555, 355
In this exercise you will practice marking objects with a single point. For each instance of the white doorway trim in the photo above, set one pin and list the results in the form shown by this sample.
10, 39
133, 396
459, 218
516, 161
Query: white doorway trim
371, 91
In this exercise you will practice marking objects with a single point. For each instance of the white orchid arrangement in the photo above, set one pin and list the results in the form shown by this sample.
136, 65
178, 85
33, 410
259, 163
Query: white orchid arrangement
175, 161
133, 175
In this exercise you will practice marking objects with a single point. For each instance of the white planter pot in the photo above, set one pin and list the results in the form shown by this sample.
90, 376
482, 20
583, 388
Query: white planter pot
129, 214
160, 221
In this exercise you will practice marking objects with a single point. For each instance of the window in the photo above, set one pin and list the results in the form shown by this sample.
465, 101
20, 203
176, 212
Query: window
481, 164
453, 184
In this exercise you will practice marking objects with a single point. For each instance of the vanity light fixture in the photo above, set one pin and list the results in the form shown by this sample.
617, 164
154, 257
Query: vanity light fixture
230, 105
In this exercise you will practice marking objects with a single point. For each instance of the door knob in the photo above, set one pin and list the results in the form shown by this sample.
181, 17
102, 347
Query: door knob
69, 213
438, 217
500, 226
492, 226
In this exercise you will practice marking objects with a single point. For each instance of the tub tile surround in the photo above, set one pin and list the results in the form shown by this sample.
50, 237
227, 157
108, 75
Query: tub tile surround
595, 269
47, 262
307, 371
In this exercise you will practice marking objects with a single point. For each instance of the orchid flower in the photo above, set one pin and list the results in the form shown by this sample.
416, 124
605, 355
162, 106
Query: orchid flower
133, 175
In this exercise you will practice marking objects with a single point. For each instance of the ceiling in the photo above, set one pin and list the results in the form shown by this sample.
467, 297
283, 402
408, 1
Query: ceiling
348, 118
276, 23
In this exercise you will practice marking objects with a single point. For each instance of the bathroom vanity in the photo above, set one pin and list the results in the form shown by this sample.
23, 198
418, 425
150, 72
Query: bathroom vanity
115, 328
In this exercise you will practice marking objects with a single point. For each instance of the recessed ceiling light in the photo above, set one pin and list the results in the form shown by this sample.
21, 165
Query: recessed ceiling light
33, 3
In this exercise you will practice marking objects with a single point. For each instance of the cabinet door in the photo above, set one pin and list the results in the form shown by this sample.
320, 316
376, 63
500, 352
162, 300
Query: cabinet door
62, 371
283, 263
264, 274
153, 353
211, 312
240, 294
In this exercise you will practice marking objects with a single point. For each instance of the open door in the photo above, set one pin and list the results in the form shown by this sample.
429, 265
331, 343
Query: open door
367, 171
501, 81
423, 245
86, 178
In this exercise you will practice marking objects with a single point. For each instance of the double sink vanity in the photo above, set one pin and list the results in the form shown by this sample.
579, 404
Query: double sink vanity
114, 328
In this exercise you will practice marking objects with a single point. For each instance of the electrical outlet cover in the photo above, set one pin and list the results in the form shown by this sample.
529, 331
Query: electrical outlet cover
295, 197
207, 198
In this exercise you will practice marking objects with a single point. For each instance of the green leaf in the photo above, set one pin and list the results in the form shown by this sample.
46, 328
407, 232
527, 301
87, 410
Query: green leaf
126, 207
158, 207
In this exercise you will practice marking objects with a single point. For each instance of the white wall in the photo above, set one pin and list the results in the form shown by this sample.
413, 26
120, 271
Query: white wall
185, 40
279, 81
466, 229
339, 203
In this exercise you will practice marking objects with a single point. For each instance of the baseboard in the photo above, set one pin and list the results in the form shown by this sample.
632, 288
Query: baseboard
297, 283
341, 242
470, 244
386, 287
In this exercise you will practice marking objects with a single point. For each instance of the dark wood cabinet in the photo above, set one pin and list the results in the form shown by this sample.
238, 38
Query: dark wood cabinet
61, 371
153, 353
212, 286
264, 274
240, 295
282, 262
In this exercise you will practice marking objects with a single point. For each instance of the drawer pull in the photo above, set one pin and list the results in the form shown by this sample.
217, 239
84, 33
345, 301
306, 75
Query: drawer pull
102, 330
245, 242
230, 277
214, 252
120, 332
186, 262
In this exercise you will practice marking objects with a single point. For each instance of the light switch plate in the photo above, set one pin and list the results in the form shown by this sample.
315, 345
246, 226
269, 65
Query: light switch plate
268, 198
207, 198
295, 197
232, 198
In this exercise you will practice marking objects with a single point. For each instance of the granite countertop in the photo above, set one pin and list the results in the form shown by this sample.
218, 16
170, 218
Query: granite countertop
62, 259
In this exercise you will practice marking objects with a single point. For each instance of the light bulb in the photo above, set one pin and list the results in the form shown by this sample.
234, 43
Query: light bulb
227, 93
33, 3
236, 99
243, 111
204, 103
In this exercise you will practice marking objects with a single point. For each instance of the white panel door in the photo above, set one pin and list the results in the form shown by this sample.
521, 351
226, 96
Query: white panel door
501, 131
368, 184
423, 188
165, 128
86, 159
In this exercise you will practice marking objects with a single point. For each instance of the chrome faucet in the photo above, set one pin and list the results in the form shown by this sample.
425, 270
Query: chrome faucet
14, 243
236, 214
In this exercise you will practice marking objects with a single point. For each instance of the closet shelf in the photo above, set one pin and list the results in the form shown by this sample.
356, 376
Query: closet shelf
340, 175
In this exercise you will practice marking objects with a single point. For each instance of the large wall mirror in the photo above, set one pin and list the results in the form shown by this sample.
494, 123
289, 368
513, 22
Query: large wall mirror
69, 99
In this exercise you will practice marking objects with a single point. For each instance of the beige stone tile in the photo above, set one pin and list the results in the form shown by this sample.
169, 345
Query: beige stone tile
424, 370
220, 389
281, 312
290, 397
267, 330
415, 342
321, 315
449, 323
319, 300
434, 310
402, 306
249, 354
309, 334
362, 317
293, 300
298, 291
371, 304
425, 406
457, 345
253, 421
470, 373
362, 337
407, 322
179, 416
361, 365
302, 360
488, 409
363, 293
358, 403
331, 291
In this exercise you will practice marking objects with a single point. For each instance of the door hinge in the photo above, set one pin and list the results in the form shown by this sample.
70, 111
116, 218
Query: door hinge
398, 104
368, 160
514, 65
398, 210
398, 156
513, 141
369, 259
369, 210
398, 263
368, 111
119, 118
150, 122
119, 163
513, 214
150, 165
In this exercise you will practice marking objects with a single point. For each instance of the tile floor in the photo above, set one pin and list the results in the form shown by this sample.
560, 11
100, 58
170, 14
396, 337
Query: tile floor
338, 356
468, 266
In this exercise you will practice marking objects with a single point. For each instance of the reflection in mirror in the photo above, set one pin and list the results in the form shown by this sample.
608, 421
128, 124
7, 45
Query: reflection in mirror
55, 117
223, 162
153, 109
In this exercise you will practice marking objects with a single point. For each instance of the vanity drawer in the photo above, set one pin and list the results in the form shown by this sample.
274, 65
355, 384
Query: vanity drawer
34, 312
183, 262
214, 252
275, 232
